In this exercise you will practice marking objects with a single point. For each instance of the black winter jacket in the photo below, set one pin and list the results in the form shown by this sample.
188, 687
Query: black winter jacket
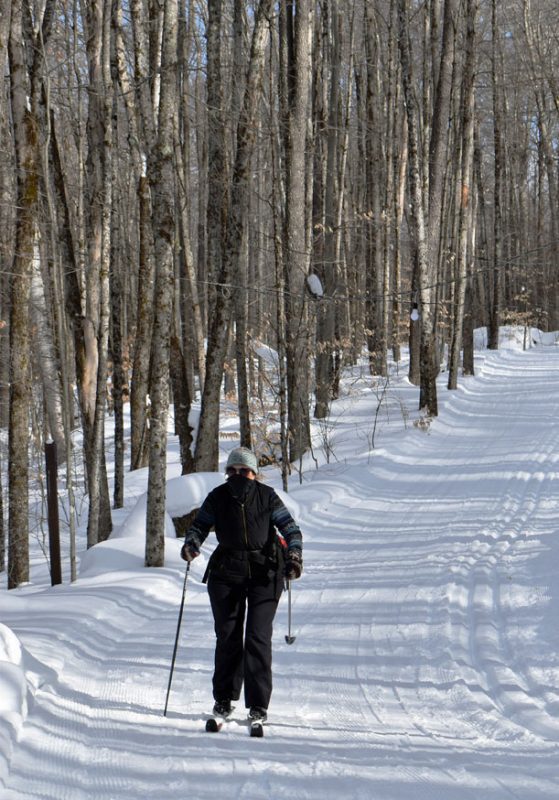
244, 514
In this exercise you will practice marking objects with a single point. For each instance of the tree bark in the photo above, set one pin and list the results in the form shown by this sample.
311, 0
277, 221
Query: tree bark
182, 403
428, 354
207, 439
296, 251
45, 361
25, 131
330, 224
375, 178
162, 181
7, 205
25, 88
139, 390
465, 209
99, 197
497, 280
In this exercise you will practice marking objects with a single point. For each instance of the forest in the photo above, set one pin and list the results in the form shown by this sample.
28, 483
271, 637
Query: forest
185, 185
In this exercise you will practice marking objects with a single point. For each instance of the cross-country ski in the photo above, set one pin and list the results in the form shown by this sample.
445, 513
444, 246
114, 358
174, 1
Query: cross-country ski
424, 658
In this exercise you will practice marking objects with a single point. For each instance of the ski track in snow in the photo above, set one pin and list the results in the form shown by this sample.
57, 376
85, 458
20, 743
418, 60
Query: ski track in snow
426, 662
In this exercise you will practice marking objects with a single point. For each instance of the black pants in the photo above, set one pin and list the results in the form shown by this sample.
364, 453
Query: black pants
243, 652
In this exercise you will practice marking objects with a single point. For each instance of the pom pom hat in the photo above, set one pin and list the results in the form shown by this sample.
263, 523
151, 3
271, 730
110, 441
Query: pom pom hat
243, 457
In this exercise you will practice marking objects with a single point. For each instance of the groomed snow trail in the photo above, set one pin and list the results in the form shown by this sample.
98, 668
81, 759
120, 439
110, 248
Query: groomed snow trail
426, 663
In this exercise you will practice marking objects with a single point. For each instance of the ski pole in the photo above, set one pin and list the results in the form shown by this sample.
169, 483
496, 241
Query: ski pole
176, 639
289, 638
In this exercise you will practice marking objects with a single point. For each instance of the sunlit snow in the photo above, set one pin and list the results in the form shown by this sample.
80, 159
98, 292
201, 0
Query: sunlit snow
426, 659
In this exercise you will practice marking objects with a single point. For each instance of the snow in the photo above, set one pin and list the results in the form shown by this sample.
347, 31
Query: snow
315, 285
426, 659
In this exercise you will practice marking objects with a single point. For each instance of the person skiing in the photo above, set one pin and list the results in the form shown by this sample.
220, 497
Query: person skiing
245, 578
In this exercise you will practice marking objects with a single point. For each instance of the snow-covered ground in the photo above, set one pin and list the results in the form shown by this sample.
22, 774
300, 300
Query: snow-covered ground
426, 659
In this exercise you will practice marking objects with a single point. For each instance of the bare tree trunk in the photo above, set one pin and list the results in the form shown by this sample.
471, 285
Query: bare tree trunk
440, 131
118, 380
146, 58
25, 134
296, 253
329, 190
428, 355
45, 357
399, 198
468, 338
207, 440
241, 292
139, 389
206, 453
374, 181
281, 324
331, 224
465, 210
495, 309
218, 167
25, 86
390, 233
99, 188
241, 334
7, 206
182, 403
58, 210
282, 373
193, 327
161, 171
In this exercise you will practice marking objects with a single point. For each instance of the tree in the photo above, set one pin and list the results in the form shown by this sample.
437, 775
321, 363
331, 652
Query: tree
426, 268
466, 174
332, 138
161, 171
331, 144
295, 55
206, 443
495, 308
97, 309
139, 420
25, 90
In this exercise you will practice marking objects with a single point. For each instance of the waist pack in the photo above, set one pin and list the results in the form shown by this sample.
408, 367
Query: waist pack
237, 565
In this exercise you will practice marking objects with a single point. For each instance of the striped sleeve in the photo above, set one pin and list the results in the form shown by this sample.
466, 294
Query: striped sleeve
285, 524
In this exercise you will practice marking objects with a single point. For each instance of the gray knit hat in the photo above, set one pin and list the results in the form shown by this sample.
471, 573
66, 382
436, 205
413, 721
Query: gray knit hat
243, 457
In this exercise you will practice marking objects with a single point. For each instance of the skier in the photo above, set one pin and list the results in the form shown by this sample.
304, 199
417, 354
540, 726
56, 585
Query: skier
245, 578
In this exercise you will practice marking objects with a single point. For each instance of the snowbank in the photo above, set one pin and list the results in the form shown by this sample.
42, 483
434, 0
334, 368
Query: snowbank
13, 696
516, 337
125, 550
426, 657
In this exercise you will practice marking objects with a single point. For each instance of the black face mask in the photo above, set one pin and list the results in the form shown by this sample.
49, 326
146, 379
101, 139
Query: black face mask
238, 485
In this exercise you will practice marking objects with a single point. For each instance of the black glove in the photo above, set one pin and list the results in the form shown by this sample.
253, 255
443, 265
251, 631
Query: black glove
293, 564
189, 551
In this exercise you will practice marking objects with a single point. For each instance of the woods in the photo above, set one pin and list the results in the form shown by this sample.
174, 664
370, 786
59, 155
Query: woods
173, 174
